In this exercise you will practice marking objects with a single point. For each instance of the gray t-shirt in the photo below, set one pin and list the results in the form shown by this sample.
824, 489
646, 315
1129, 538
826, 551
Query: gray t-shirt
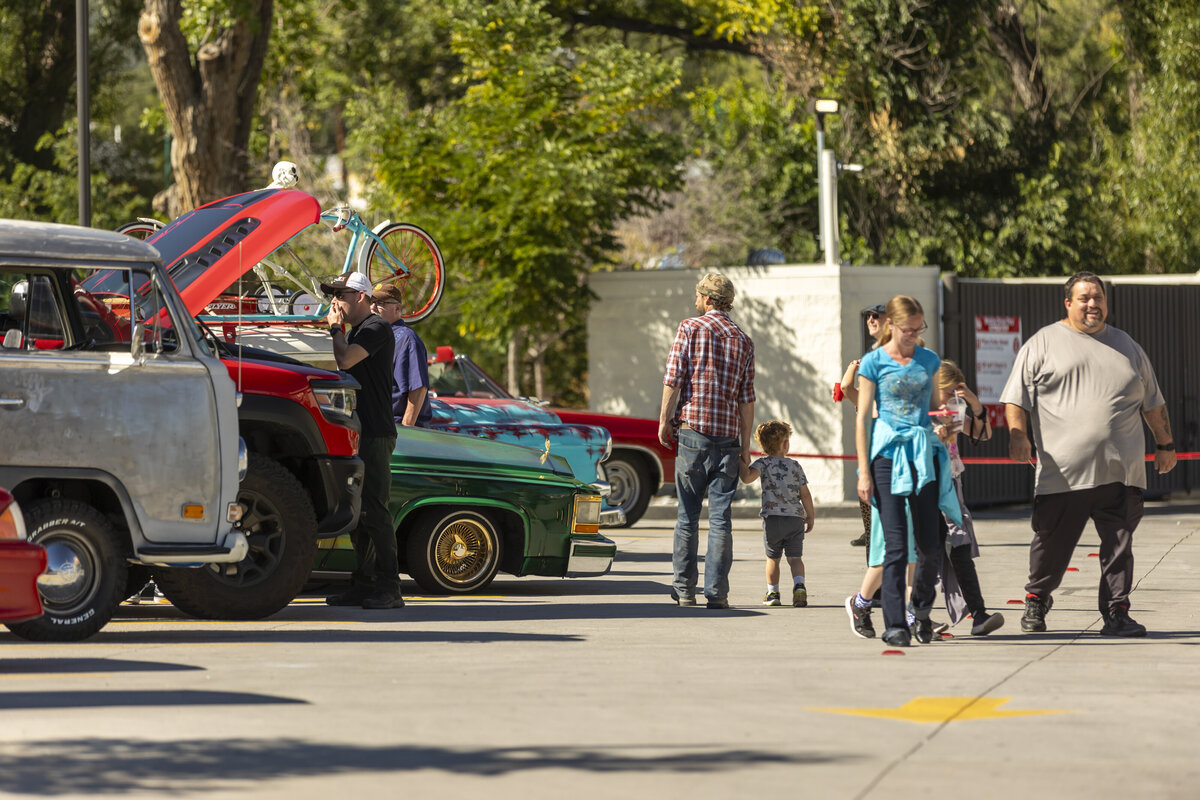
782, 478
1085, 394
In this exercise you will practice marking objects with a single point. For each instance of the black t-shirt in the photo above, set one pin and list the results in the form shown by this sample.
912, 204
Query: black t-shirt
374, 372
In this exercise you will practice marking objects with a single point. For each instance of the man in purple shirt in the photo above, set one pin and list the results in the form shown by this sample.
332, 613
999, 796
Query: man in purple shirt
410, 366
708, 411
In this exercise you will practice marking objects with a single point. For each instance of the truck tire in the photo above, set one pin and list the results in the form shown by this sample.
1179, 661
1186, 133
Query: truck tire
85, 575
280, 522
453, 551
631, 483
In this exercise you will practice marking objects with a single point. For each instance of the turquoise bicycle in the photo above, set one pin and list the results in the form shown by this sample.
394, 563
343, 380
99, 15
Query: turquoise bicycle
397, 253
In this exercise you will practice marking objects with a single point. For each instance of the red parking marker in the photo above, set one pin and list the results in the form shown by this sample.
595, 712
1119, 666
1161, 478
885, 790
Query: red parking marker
1016, 602
1093, 555
947, 635
1072, 569
892, 653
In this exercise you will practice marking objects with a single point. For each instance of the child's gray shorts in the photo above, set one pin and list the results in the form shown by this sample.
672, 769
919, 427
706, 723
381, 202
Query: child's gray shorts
783, 536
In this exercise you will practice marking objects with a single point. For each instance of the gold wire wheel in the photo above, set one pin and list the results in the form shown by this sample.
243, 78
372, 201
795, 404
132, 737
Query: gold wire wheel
464, 550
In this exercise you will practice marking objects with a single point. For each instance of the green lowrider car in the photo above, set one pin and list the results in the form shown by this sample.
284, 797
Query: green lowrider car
466, 508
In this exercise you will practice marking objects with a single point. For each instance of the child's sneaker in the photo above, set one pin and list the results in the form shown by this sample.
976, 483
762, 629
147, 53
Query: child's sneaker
799, 596
860, 619
772, 599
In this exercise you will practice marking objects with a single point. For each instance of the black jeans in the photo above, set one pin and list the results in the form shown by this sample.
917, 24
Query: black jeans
925, 515
376, 556
1058, 521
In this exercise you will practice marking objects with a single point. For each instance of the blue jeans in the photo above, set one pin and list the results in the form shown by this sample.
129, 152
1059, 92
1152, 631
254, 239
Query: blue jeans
704, 463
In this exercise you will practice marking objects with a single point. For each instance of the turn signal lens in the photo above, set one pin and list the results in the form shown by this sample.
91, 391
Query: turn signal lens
12, 524
587, 514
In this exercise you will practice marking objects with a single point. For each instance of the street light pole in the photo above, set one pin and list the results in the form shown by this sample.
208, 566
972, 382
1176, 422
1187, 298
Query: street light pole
84, 118
822, 106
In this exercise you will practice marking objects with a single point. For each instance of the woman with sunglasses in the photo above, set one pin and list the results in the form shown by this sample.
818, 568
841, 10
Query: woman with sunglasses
901, 462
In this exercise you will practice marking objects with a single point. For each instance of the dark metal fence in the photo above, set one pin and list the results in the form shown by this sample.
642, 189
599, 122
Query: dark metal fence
1164, 319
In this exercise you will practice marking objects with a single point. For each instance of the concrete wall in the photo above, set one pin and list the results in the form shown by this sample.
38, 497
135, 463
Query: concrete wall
806, 327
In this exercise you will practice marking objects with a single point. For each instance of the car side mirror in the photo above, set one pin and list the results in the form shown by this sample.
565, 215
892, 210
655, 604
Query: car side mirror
18, 303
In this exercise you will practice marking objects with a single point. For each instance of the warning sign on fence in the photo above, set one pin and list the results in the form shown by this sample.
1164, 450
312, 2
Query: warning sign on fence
997, 340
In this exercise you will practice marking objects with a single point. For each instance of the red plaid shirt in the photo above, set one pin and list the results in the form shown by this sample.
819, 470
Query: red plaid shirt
712, 364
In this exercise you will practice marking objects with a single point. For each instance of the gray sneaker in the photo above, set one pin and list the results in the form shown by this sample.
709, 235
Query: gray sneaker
683, 599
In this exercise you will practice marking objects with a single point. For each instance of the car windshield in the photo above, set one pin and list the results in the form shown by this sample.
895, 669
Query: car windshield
463, 378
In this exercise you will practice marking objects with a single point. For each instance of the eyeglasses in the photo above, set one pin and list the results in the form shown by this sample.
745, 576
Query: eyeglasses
914, 331
381, 304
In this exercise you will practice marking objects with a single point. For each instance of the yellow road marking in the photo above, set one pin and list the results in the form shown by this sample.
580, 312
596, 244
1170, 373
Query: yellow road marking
943, 709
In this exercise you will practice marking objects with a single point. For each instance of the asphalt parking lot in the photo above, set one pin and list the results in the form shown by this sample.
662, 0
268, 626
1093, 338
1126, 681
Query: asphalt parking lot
603, 688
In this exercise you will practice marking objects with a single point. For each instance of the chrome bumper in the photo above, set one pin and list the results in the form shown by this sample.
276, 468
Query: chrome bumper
611, 517
591, 556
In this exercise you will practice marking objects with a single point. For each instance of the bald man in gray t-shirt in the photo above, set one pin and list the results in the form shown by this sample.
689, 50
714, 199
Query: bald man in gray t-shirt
1086, 388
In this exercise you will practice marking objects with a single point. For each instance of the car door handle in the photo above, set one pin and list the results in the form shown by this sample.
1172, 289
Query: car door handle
12, 402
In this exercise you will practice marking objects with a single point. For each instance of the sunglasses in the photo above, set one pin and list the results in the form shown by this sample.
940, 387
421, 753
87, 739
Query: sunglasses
345, 294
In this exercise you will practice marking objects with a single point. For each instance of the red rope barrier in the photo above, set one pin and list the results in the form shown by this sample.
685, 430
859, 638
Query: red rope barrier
973, 459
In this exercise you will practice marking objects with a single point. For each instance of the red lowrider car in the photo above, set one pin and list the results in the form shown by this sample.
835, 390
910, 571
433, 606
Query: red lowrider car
21, 562
639, 464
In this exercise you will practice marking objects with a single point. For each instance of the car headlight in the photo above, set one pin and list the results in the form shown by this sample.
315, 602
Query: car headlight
335, 400
586, 517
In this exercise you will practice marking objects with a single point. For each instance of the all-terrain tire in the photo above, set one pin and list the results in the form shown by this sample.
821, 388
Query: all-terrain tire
453, 551
282, 527
85, 575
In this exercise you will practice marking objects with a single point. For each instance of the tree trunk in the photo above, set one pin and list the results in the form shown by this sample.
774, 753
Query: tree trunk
514, 364
1023, 57
210, 102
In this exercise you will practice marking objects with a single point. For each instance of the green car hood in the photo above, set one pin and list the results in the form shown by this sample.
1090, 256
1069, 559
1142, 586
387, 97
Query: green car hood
421, 449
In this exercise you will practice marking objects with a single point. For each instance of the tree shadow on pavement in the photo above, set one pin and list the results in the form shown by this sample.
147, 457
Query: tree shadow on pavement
90, 767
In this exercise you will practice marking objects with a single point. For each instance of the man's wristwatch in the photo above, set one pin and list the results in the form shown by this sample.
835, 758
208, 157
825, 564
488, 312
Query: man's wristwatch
336, 329
1168, 446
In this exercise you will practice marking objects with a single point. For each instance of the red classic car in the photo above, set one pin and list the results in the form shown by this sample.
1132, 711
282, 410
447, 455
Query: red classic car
638, 465
21, 562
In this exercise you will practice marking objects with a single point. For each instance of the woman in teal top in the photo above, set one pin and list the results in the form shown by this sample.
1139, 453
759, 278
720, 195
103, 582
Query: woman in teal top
901, 462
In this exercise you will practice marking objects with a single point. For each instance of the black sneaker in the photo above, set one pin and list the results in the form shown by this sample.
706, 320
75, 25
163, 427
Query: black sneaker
860, 620
353, 596
799, 596
1034, 618
861, 541
922, 630
382, 600
897, 637
984, 623
717, 604
1119, 623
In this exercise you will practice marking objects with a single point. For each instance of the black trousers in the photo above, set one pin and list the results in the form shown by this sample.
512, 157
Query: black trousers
1058, 521
925, 515
376, 553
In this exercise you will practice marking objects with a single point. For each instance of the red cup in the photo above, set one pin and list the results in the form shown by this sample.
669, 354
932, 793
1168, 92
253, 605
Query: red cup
837, 392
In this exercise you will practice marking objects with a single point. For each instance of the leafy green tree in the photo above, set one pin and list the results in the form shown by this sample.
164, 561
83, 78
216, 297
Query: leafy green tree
38, 142
522, 176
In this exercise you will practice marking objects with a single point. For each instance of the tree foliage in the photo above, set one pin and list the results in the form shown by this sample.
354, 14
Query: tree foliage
540, 140
523, 172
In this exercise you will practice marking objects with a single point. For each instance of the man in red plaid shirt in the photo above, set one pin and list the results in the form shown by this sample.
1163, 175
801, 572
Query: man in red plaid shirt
708, 411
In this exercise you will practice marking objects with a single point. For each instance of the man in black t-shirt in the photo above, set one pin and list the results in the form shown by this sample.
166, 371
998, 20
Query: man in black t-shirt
366, 353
